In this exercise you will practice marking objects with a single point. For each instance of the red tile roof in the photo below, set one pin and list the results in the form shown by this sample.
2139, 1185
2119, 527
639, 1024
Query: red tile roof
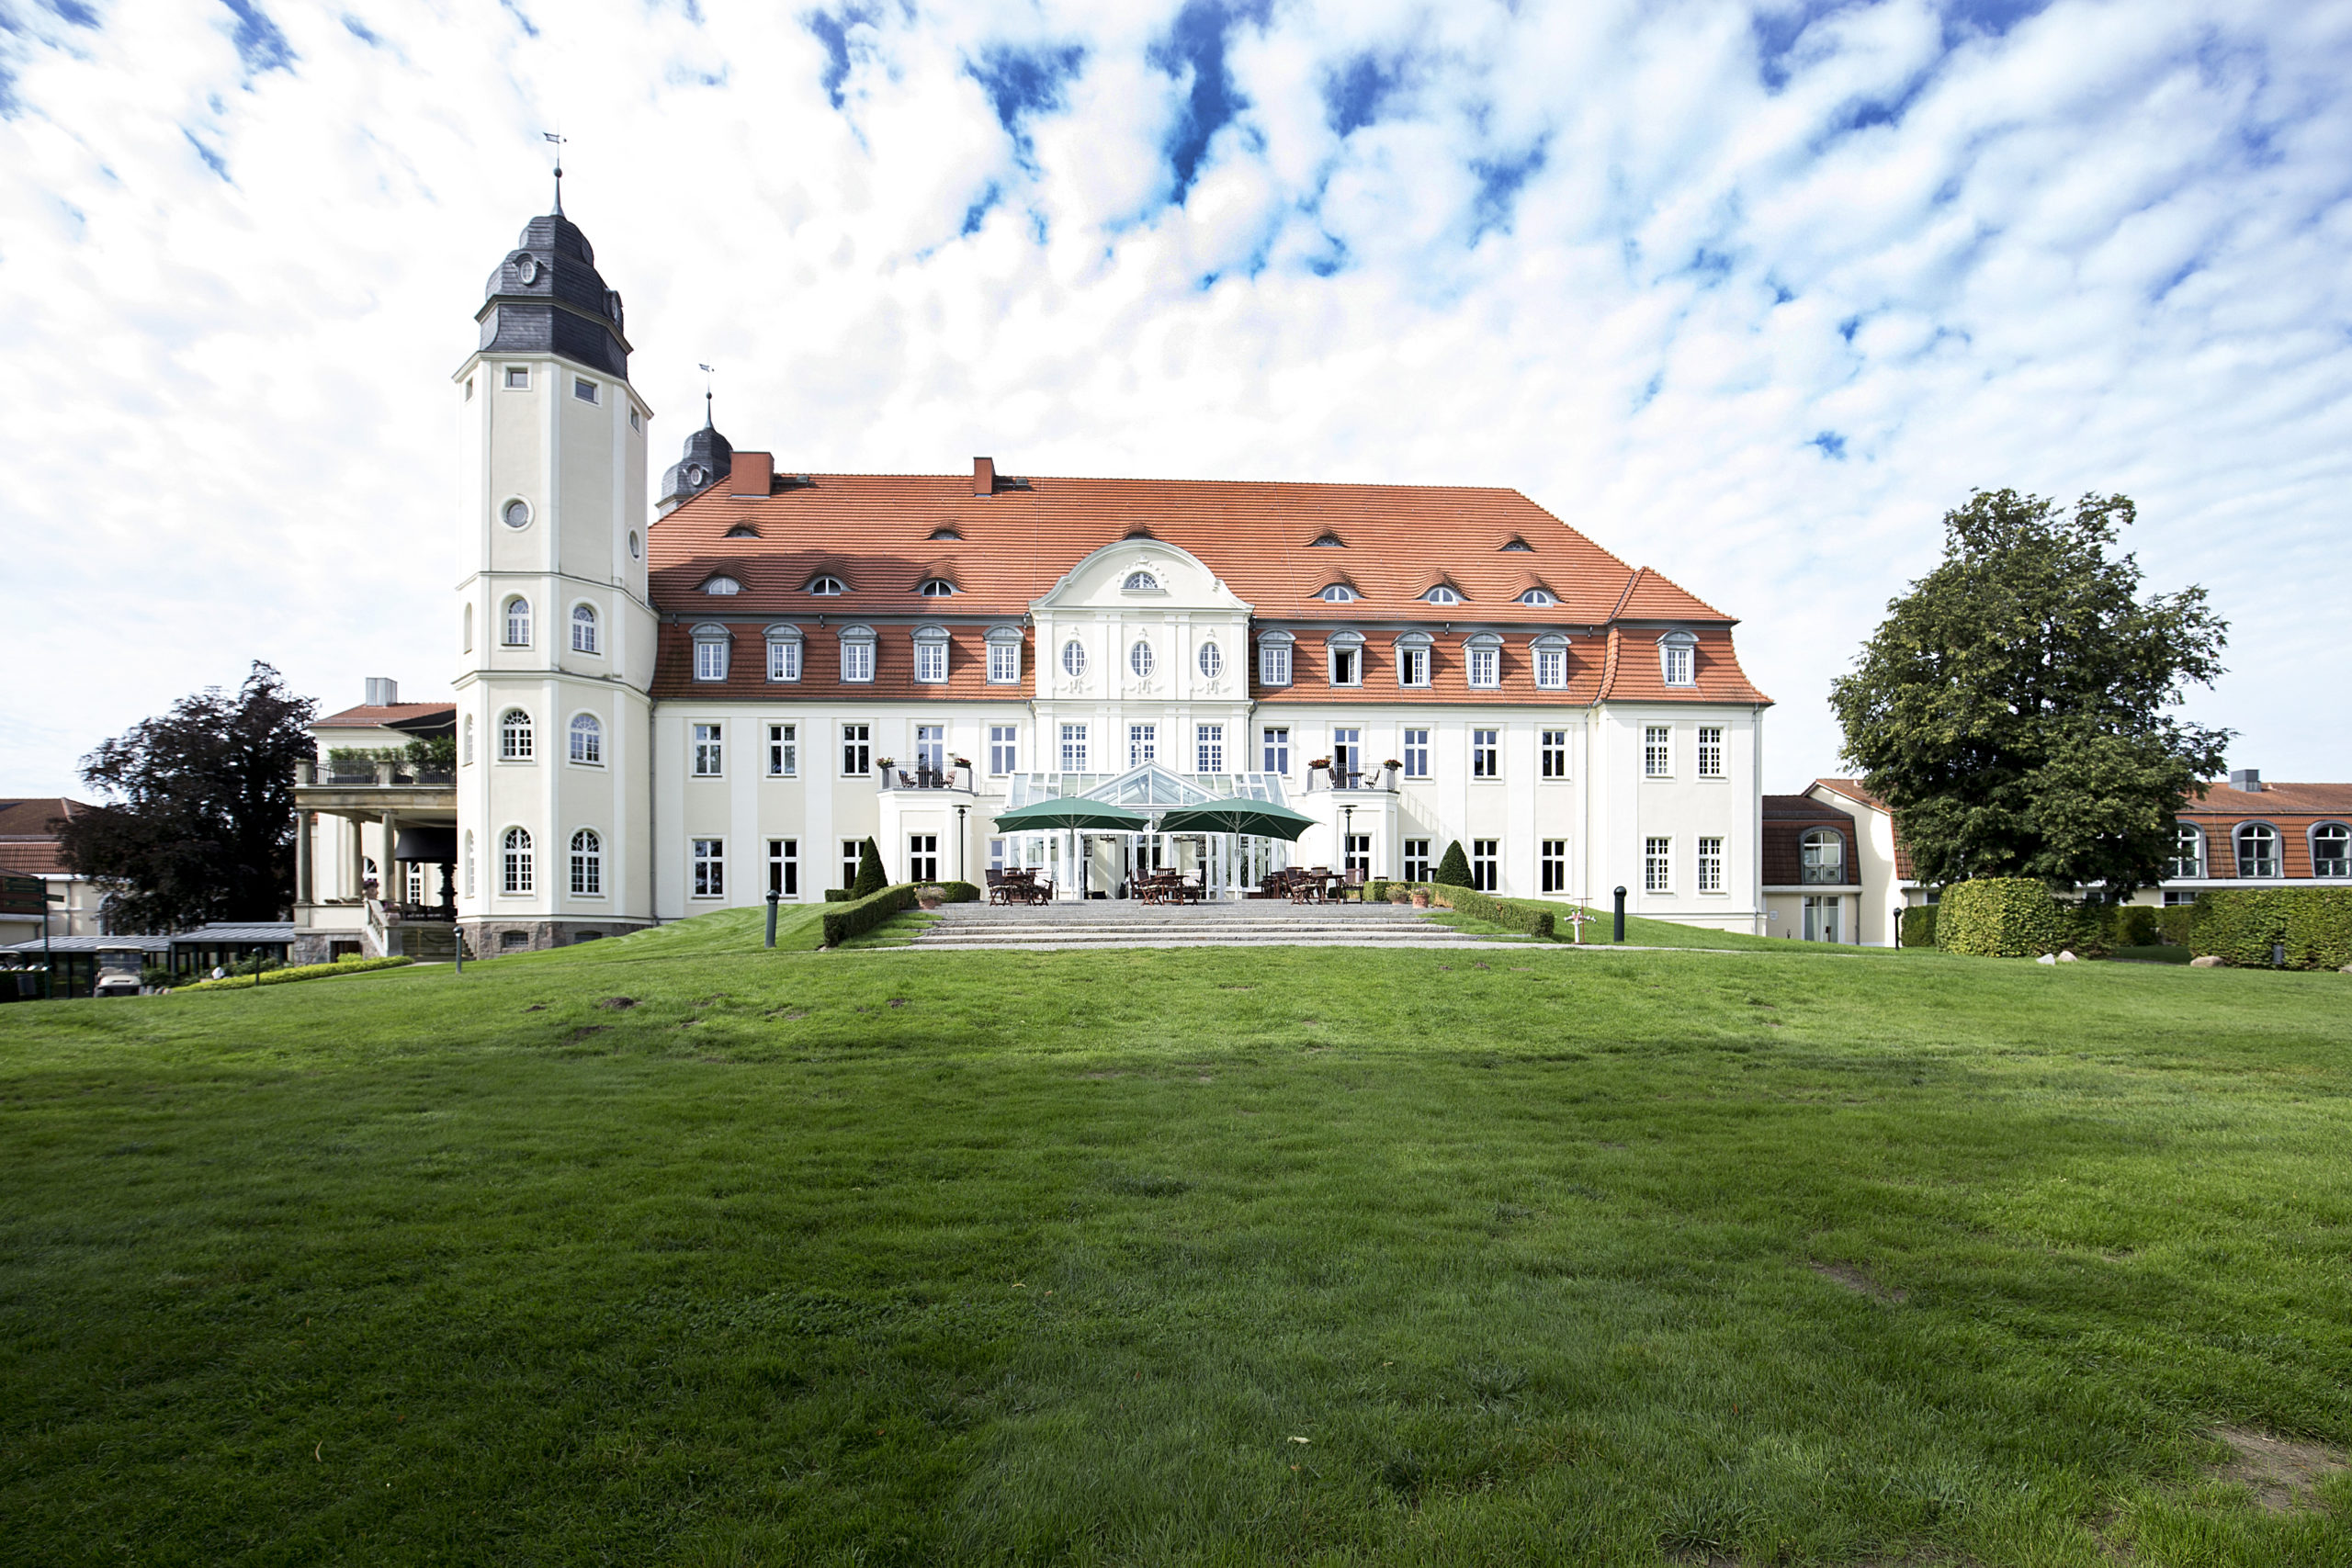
1851, 789
366, 717
2273, 801
1786, 819
28, 834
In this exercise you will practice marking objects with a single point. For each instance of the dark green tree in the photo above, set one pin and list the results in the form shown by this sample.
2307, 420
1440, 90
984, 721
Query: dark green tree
2014, 710
198, 820
1454, 870
871, 878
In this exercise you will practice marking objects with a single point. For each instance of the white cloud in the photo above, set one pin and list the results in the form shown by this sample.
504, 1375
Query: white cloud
1752, 308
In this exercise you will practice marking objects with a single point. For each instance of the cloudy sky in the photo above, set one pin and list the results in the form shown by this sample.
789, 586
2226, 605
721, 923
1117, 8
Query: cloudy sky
1748, 293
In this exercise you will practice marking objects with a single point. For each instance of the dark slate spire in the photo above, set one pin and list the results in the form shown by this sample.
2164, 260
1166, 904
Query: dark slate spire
546, 296
708, 458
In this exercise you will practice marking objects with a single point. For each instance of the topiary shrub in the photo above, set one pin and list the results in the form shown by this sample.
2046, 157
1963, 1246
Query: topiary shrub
1999, 917
2239, 926
862, 915
1454, 870
871, 878
1918, 927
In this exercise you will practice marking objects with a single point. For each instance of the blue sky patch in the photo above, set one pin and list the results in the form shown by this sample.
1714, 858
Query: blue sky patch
1025, 82
71, 11
1832, 444
1355, 94
212, 160
1499, 181
1196, 43
832, 31
259, 43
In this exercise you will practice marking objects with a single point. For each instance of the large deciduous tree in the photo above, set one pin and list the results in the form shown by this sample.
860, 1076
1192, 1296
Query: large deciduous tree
199, 822
2015, 709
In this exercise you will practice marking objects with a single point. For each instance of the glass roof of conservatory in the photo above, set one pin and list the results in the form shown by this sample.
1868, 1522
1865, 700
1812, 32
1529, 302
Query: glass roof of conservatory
1147, 789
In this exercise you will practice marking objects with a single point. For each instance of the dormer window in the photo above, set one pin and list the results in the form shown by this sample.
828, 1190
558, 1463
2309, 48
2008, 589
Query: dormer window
1677, 659
936, 588
721, 585
931, 655
1413, 660
1443, 594
1519, 544
1327, 542
857, 655
1538, 599
1140, 583
712, 642
784, 653
1551, 661
826, 587
743, 531
1273, 659
1339, 593
946, 534
1004, 656
1345, 651
1484, 654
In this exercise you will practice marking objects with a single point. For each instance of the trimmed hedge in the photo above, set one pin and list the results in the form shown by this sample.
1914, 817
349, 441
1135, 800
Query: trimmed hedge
299, 972
2000, 917
1453, 868
2239, 925
862, 915
839, 895
1511, 914
2174, 922
2135, 926
1378, 892
958, 892
1918, 928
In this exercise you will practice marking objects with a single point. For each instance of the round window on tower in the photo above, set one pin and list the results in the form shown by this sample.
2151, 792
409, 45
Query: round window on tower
635, 545
695, 475
526, 269
516, 513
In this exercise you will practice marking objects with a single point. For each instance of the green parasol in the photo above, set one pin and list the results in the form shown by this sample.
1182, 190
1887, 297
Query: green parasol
1257, 818
1071, 812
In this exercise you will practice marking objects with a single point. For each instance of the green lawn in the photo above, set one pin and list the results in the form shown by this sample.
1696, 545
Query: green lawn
1499, 1255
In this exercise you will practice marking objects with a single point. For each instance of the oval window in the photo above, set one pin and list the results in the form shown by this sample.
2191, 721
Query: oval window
517, 514
1073, 658
526, 269
695, 475
1212, 660
635, 545
1139, 657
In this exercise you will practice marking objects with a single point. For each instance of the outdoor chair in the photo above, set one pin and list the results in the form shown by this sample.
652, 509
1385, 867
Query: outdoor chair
1354, 884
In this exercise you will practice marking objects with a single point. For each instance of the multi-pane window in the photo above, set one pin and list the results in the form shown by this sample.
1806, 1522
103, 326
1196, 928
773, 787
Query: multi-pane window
1347, 665
923, 857
1485, 665
1273, 664
1140, 660
1073, 658
1417, 754
518, 378
2188, 854
1142, 744
517, 857
857, 752
1347, 757
1412, 666
1209, 748
2332, 849
514, 737
1005, 660
1676, 660
1821, 856
1821, 916
2258, 850
518, 623
1358, 854
1485, 865
1658, 751
1551, 668
1555, 753
784, 867
1657, 865
587, 864
858, 661
1417, 860
1276, 738
587, 740
930, 660
783, 659
710, 659
784, 750
1073, 746
1711, 752
583, 628
931, 748
709, 751
710, 868
1210, 660
1004, 749
848, 863
1552, 864
584, 389
1711, 865
1486, 754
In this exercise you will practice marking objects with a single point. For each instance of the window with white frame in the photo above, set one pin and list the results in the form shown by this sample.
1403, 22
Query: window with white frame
1416, 756
1711, 865
931, 655
857, 655
2332, 849
2258, 850
583, 388
516, 857
1004, 657
1417, 860
1345, 652
1004, 750
587, 740
1142, 744
1209, 748
1658, 751
1821, 856
784, 653
826, 587
583, 628
587, 864
850, 857
1443, 594
1413, 660
1677, 659
1211, 658
1657, 865
1274, 748
931, 748
1140, 660
1274, 659
1484, 657
711, 644
1338, 593
857, 752
722, 585
709, 859
1553, 865
1356, 854
784, 867
518, 378
1347, 757
936, 588
1073, 747
1710, 750
1537, 598
923, 857
1486, 754
1821, 916
1485, 865
710, 750
784, 750
1551, 663
1139, 582
1073, 658
1552, 749
519, 622
515, 736
2187, 860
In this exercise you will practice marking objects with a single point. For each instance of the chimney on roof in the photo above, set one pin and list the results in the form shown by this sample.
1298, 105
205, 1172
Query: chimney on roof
2246, 779
382, 691
751, 475
984, 476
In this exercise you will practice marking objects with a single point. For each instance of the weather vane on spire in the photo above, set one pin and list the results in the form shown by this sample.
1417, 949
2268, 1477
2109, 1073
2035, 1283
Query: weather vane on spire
558, 140
708, 372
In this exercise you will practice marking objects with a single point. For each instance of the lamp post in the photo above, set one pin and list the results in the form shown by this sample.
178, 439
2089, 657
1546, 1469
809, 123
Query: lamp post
1347, 837
1620, 934
963, 871
773, 897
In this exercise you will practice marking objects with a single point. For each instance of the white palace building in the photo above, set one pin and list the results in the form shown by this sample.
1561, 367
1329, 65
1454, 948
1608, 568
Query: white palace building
658, 715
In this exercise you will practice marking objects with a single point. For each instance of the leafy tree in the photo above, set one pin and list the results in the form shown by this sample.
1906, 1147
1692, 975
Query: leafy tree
871, 878
199, 825
1453, 869
2013, 710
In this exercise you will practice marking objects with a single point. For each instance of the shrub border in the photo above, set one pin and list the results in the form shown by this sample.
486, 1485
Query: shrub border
299, 972
859, 916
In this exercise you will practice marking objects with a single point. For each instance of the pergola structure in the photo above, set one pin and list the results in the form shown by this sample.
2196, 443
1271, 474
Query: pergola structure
1085, 861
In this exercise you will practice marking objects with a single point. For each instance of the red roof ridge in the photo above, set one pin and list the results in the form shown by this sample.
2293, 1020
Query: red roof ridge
1619, 608
1851, 789
1608, 669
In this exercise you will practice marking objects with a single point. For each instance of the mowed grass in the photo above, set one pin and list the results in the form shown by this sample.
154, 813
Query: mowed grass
1286, 1256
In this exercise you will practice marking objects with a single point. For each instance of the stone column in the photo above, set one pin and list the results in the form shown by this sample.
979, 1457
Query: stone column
388, 868
301, 858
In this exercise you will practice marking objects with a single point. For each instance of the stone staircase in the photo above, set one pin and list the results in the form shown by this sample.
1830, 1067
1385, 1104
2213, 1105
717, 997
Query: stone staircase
1105, 923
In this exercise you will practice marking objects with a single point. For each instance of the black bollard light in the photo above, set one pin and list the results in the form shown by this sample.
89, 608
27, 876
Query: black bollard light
1619, 935
771, 899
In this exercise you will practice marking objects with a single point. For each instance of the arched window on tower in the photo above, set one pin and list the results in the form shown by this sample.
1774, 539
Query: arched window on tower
587, 740
467, 754
587, 864
583, 628
466, 632
519, 622
516, 857
515, 736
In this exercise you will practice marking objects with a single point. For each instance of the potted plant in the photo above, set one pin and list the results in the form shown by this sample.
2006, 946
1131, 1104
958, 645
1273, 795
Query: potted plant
1391, 765
1421, 896
931, 895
